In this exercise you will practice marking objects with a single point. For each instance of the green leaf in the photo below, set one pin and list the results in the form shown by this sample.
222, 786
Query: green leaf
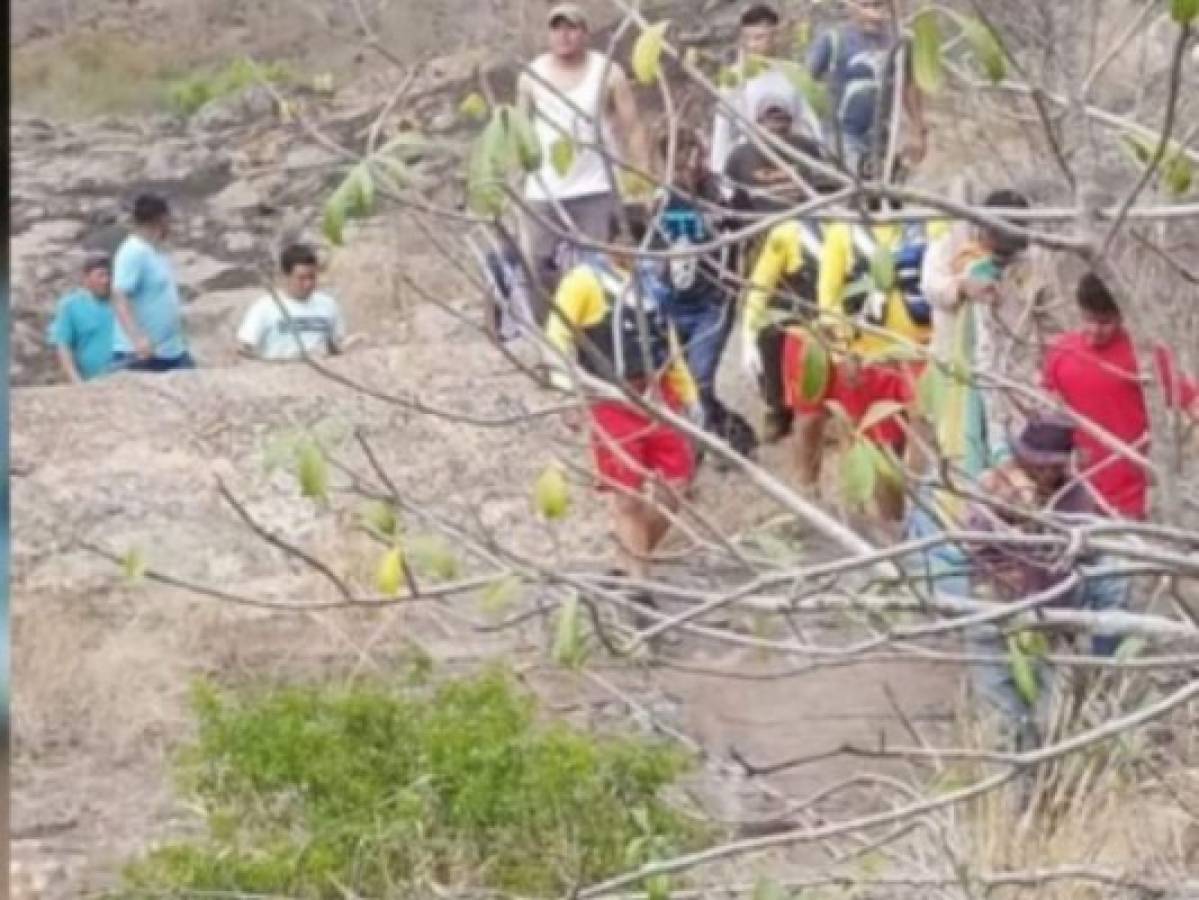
858, 474
1178, 174
487, 167
886, 465
500, 595
1140, 147
657, 887
1023, 673
133, 565
390, 572
473, 107
381, 518
647, 53
926, 52
814, 92
985, 46
755, 65
313, 472
728, 78
523, 140
550, 493
569, 649
1184, 11
562, 156
815, 375
431, 555
1033, 643
930, 392
882, 268
333, 223
878, 413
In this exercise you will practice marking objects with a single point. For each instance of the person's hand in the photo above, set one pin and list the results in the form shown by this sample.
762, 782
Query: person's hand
142, 347
979, 289
751, 357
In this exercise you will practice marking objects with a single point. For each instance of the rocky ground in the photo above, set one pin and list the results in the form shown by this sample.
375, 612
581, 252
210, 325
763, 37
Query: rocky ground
102, 667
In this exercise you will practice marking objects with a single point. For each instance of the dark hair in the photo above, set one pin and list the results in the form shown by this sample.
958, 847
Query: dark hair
685, 139
149, 208
638, 226
1095, 298
1007, 245
95, 261
296, 255
759, 14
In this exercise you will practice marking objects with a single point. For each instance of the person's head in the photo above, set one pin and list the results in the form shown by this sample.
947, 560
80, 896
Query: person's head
97, 274
759, 29
568, 31
1101, 318
1004, 247
773, 113
299, 267
690, 163
1042, 451
626, 245
151, 216
870, 15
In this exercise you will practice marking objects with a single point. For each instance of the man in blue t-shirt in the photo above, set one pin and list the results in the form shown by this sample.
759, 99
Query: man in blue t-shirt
83, 326
857, 62
149, 336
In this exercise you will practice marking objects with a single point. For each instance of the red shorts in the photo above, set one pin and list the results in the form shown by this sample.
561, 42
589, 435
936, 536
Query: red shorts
875, 382
629, 447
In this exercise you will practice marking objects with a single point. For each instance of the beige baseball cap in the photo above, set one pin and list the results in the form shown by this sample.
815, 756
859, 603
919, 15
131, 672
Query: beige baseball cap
571, 12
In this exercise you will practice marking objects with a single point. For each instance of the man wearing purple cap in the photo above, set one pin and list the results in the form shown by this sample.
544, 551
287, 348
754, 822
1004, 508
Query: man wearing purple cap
1028, 495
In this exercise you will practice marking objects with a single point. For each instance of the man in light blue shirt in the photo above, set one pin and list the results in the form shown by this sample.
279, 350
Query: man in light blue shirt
83, 327
149, 336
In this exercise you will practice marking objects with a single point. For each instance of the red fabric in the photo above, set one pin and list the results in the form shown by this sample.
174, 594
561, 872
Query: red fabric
629, 446
1181, 391
875, 382
1103, 385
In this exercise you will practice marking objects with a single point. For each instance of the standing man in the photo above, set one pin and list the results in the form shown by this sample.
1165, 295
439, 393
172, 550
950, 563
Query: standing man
758, 37
149, 337
1094, 370
575, 94
83, 326
296, 321
643, 462
857, 61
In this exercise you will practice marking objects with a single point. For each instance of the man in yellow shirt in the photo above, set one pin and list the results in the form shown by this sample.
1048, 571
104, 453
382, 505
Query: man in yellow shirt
865, 326
642, 461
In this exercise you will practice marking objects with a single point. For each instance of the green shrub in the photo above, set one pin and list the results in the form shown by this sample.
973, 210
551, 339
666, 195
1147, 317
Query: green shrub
314, 792
186, 94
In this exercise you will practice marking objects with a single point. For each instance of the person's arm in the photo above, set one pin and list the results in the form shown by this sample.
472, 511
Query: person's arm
1181, 390
126, 276
835, 260
628, 120
61, 336
780, 256
249, 334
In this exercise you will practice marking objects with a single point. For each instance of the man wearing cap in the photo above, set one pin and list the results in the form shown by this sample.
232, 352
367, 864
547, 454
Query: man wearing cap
575, 94
1027, 495
757, 40
83, 326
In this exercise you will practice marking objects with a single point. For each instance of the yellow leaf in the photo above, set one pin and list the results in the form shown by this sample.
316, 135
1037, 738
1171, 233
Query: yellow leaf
133, 565
430, 554
550, 493
1023, 674
568, 649
390, 572
313, 472
647, 53
815, 371
473, 107
381, 518
500, 595
985, 46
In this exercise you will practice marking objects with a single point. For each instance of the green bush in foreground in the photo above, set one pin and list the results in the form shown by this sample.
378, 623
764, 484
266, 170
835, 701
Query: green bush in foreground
370, 790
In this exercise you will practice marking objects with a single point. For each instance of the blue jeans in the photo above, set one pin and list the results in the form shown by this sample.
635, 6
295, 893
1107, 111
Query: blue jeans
153, 364
946, 568
703, 327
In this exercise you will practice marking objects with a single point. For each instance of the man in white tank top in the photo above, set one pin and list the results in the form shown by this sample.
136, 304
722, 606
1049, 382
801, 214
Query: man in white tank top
589, 94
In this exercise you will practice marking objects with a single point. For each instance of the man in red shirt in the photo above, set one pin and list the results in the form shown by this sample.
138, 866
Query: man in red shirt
1094, 371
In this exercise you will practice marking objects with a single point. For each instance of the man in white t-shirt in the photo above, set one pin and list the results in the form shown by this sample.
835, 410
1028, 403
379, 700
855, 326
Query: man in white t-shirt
295, 320
576, 94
